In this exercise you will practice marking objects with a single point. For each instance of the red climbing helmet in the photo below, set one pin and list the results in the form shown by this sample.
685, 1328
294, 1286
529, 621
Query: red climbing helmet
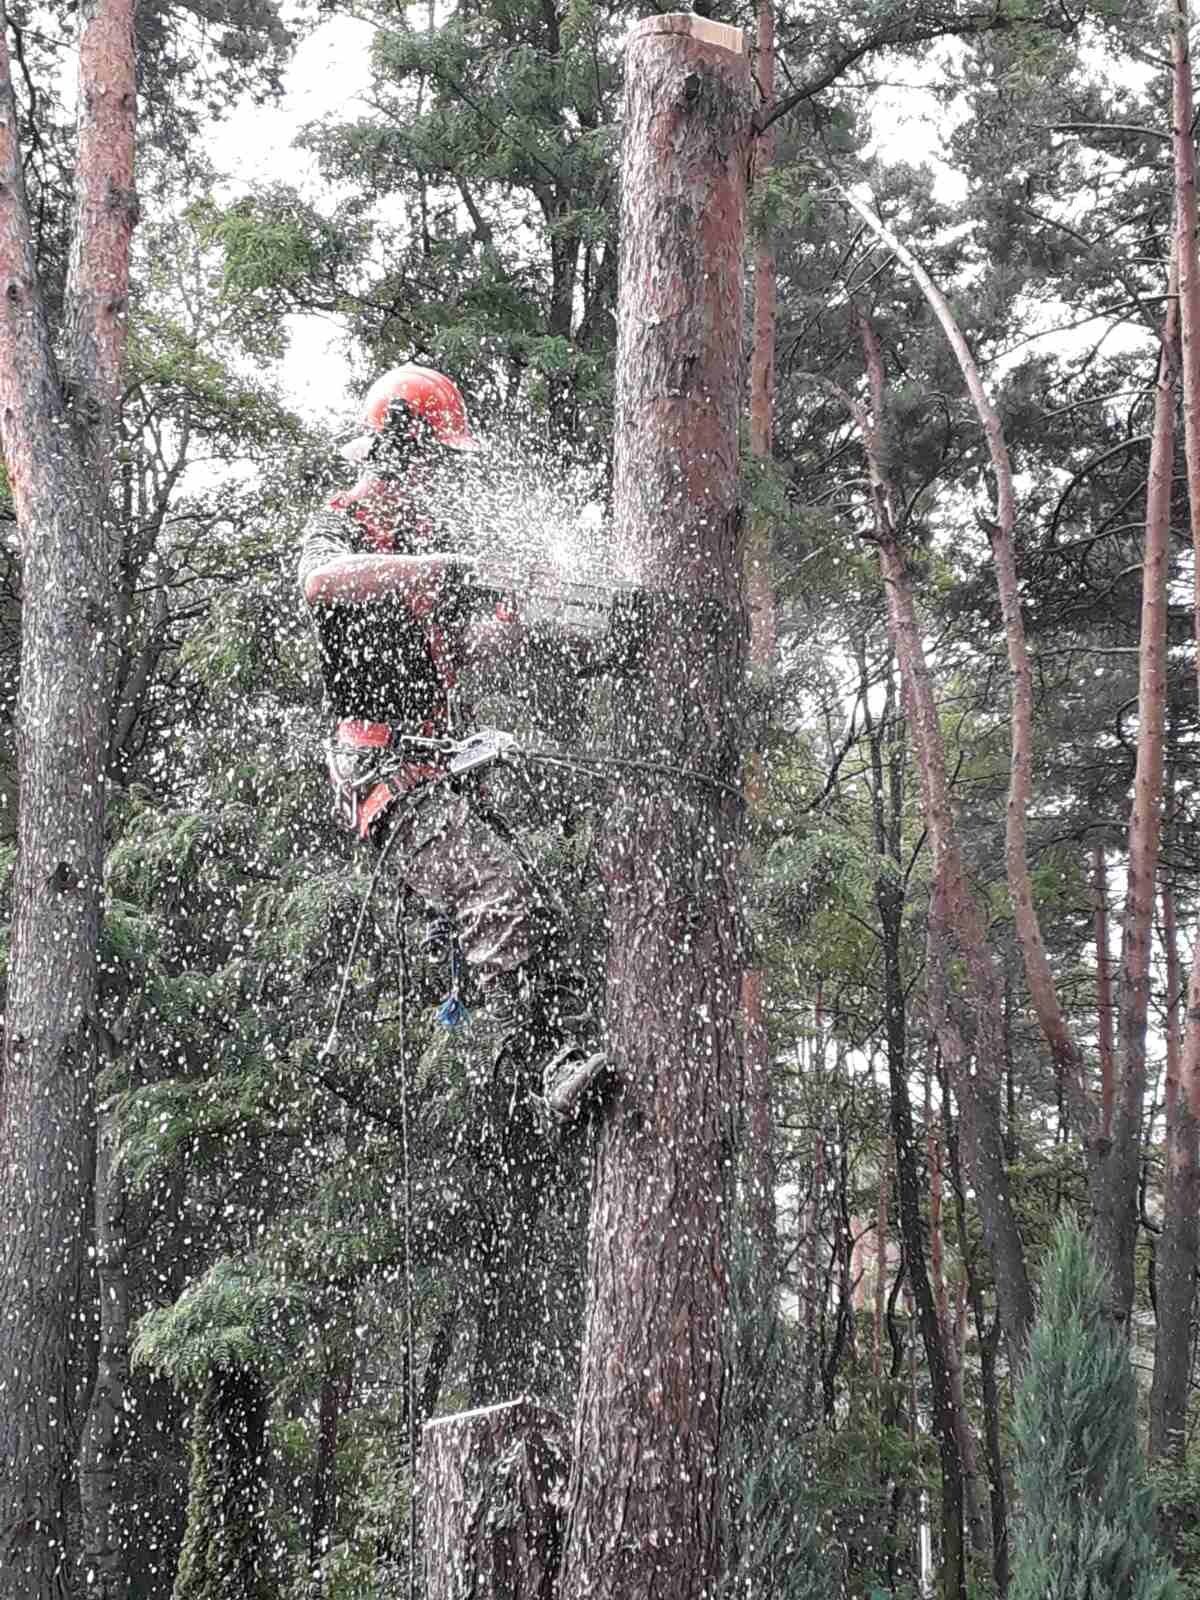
427, 394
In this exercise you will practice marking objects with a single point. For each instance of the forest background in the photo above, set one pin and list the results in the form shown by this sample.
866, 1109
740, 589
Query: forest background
956, 1055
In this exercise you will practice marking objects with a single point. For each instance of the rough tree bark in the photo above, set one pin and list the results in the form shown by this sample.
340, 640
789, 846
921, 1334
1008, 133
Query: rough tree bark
102, 1557
760, 593
643, 1512
491, 1490
58, 438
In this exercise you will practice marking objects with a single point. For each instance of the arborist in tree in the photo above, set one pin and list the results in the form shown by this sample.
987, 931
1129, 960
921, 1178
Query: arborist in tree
396, 619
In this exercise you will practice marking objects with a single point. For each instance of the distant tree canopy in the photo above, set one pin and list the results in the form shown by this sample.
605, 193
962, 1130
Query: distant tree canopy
465, 215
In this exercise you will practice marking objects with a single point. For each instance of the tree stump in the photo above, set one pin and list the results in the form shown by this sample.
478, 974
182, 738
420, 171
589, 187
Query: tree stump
492, 1486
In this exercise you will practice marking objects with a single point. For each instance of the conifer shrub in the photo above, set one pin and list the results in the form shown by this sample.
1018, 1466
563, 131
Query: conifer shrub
1085, 1527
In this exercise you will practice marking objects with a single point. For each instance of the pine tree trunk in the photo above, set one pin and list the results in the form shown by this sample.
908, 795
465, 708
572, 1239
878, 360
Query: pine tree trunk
1179, 1245
760, 1165
1116, 1161
58, 451
644, 1504
889, 900
103, 1554
331, 1402
1104, 992
1179, 1248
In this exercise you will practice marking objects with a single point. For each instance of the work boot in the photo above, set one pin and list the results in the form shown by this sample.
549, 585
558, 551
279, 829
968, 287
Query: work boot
545, 1032
571, 1081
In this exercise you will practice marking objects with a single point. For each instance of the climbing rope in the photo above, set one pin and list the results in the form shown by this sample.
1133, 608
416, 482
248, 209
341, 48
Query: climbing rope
406, 1193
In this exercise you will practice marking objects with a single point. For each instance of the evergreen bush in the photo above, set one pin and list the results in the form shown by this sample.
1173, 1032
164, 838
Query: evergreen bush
1086, 1523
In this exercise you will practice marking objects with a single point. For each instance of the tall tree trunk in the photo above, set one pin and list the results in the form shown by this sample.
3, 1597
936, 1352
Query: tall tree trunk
968, 1454
332, 1399
1178, 1251
1116, 1164
1113, 1162
102, 1558
58, 445
879, 1309
643, 1498
1104, 992
759, 1115
1179, 1244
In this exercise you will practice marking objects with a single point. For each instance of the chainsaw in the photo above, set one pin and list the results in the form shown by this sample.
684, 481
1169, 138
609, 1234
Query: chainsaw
545, 600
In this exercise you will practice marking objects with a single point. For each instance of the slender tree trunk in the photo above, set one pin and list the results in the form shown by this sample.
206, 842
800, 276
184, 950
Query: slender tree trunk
1042, 989
1104, 992
103, 1556
955, 921
58, 442
810, 1256
988, 1343
881, 1274
331, 1403
1179, 1244
1178, 1252
1116, 1165
968, 1454
643, 1498
889, 899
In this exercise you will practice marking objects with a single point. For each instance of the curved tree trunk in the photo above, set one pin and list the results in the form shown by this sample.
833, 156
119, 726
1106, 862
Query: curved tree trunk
643, 1499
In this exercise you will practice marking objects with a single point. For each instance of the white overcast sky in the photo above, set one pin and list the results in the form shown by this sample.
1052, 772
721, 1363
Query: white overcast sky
328, 74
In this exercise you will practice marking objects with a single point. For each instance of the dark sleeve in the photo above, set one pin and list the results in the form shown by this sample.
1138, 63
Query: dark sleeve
324, 539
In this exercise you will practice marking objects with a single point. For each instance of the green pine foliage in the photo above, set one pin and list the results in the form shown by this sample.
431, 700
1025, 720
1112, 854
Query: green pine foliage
1086, 1528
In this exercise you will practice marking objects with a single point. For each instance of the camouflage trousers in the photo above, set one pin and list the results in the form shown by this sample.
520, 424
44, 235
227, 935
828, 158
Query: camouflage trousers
444, 850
